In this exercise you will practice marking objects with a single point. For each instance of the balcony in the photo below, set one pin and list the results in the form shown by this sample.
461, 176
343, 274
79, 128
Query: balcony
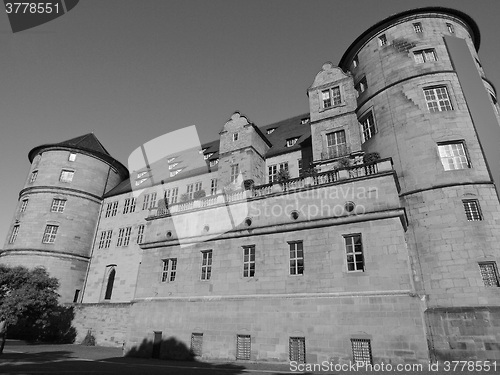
321, 179
334, 152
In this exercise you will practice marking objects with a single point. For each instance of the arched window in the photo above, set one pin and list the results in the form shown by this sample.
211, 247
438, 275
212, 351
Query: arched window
109, 286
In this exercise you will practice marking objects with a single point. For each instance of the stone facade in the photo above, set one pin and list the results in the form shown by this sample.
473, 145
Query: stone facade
390, 260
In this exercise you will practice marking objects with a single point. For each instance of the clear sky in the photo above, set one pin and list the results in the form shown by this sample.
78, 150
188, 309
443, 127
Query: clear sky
130, 71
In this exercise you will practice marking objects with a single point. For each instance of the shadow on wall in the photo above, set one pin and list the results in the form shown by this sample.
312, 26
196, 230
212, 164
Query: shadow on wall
56, 328
163, 349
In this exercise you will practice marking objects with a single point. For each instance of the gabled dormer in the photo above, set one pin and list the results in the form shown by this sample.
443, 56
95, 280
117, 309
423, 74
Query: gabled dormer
241, 152
335, 131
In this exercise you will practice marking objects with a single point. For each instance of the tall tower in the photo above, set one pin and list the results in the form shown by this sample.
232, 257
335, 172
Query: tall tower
412, 107
55, 220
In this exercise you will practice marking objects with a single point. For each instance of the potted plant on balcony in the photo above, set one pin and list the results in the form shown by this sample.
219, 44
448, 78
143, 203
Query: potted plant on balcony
199, 194
184, 198
248, 184
308, 175
371, 157
282, 178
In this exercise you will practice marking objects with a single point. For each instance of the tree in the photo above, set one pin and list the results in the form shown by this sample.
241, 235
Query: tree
29, 304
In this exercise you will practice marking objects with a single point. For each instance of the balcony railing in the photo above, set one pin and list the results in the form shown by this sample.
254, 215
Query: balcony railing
337, 151
320, 179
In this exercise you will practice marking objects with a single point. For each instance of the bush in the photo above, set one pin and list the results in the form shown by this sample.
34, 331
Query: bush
199, 194
89, 339
371, 157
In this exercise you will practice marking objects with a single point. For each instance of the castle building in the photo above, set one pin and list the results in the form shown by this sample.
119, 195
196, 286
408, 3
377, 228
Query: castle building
367, 229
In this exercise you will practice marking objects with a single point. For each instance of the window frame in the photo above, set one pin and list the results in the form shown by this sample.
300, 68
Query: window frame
294, 261
335, 97
58, 205
14, 233
50, 233
235, 171
472, 209
140, 234
243, 347
248, 262
274, 169
417, 27
486, 279
382, 40
72, 157
367, 131
169, 270
66, 176
213, 186
355, 260
450, 27
235, 136
436, 101
357, 346
423, 54
33, 176
197, 344
24, 205
297, 349
206, 265
441, 146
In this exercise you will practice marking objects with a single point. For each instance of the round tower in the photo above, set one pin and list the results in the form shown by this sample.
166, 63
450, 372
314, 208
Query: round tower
413, 107
55, 220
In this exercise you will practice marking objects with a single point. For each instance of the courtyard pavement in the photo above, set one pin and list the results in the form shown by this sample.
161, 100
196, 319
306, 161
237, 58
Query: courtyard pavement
21, 358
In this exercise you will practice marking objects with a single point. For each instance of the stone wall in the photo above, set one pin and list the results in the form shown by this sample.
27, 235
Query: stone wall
458, 333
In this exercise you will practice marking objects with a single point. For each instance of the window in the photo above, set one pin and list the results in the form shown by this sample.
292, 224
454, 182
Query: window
418, 27
72, 156
190, 191
213, 186
249, 261
472, 211
291, 142
235, 171
297, 349
270, 130
489, 273
299, 164
274, 170
140, 234
175, 193
105, 239
424, 55
66, 176
126, 240
243, 347
304, 121
77, 293
361, 350
58, 205
50, 234
206, 265
331, 97
336, 144
354, 251
361, 86
123, 236
114, 208
33, 176
109, 286
214, 162
437, 99
296, 258
121, 232
382, 40
13, 236
126, 206
453, 156
172, 166
149, 201
355, 62
170, 160
196, 344
367, 126
169, 269
207, 156
450, 27
235, 136
24, 204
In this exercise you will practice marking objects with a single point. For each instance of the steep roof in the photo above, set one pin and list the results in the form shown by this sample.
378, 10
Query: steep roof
283, 130
88, 143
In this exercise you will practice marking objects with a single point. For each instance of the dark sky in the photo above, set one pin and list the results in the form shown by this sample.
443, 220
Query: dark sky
130, 71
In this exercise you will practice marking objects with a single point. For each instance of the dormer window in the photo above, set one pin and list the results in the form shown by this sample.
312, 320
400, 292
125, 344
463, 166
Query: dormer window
214, 162
382, 40
138, 182
174, 173
304, 120
200, 152
171, 159
270, 130
140, 174
331, 97
291, 142
172, 166
235, 137
207, 156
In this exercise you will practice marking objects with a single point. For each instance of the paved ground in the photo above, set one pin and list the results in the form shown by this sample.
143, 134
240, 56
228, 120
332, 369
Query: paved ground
21, 358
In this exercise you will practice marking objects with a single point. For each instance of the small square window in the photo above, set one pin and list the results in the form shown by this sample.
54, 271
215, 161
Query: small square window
243, 347
197, 344
297, 349
175, 173
66, 176
270, 130
453, 156
362, 351
418, 27
214, 162
72, 156
382, 40
437, 99
291, 142
50, 233
450, 27
235, 136
472, 211
207, 156
489, 274
58, 205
